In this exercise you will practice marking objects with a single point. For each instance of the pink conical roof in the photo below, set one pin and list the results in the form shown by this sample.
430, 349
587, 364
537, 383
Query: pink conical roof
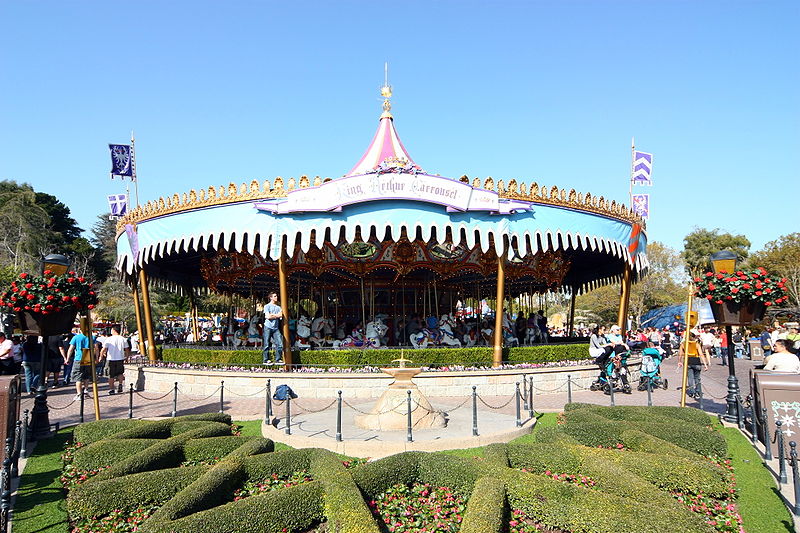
385, 147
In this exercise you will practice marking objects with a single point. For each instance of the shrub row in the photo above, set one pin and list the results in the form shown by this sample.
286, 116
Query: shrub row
436, 357
344, 507
100, 429
130, 428
641, 413
486, 510
108, 451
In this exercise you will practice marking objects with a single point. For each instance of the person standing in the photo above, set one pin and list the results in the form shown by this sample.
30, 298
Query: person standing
723, 346
6, 355
541, 321
31, 362
697, 361
766, 341
272, 330
115, 349
81, 373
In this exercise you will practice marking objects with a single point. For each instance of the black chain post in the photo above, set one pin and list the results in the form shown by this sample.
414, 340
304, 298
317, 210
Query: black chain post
268, 410
288, 414
222, 396
516, 404
524, 392
5, 493
474, 411
175, 400
753, 421
781, 452
569, 388
409, 435
767, 440
339, 417
739, 411
130, 401
649, 392
15, 451
795, 480
83, 402
24, 445
530, 399
611, 390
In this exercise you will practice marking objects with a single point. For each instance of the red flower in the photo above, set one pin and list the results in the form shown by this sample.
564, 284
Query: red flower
709, 297
759, 284
65, 298
711, 286
758, 293
734, 290
17, 309
754, 276
719, 301
768, 303
697, 279
767, 290
50, 297
70, 280
719, 275
29, 285
81, 279
746, 286
75, 299
47, 273
709, 274
23, 275
30, 297
90, 306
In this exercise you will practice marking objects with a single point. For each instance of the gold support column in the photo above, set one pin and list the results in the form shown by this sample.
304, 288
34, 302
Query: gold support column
571, 320
497, 354
624, 300
193, 315
287, 348
136, 305
148, 317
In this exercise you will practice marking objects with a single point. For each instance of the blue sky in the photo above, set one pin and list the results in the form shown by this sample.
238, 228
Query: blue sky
545, 91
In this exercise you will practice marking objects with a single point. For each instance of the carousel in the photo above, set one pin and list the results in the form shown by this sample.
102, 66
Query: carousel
357, 258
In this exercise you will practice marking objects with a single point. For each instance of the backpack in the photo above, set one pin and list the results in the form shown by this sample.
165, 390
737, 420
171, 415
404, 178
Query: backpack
283, 392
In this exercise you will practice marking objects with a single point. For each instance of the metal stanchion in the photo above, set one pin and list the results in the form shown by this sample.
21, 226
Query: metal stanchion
530, 398
222, 396
409, 435
175, 400
524, 392
739, 411
781, 452
14, 454
268, 408
288, 414
649, 392
569, 388
23, 451
753, 421
516, 404
82, 402
130, 401
339, 417
611, 391
767, 439
795, 480
700, 397
474, 411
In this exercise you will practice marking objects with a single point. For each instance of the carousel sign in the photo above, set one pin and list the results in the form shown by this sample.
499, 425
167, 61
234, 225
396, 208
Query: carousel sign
334, 194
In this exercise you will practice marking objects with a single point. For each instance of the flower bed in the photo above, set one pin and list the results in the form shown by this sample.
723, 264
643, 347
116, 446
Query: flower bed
273, 482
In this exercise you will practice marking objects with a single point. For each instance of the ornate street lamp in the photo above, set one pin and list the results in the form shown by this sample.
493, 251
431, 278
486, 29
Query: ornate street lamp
725, 261
40, 414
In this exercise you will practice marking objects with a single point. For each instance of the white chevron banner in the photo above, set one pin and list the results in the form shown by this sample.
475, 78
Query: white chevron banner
642, 168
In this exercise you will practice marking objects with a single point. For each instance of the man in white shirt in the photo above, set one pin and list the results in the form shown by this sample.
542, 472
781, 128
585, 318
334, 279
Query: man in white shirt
115, 349
6, 354
782, 360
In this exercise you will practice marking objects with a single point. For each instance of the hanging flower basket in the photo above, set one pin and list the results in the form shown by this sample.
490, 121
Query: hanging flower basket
740, 298
47, 305
735, 314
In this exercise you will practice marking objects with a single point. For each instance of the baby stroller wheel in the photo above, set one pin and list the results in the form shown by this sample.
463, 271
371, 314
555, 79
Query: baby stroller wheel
665, 384
642, 386
595, 386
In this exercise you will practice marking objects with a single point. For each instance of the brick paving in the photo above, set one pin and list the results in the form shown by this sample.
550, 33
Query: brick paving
66, 411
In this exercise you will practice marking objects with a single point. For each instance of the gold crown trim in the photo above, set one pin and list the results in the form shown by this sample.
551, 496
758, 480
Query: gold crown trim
514, 190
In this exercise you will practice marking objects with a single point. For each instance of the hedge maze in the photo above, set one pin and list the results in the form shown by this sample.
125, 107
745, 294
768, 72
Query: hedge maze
600, 470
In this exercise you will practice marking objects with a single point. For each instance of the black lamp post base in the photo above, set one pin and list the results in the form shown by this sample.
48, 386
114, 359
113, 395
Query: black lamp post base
731, 411
40, 415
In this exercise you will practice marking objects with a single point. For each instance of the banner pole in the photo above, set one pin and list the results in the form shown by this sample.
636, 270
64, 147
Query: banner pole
686, 345
630, 179
133, 168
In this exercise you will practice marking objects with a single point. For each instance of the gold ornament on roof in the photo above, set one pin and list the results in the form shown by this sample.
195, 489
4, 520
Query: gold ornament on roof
386, 93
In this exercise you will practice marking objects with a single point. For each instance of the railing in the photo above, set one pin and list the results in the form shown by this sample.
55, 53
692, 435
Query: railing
15, 447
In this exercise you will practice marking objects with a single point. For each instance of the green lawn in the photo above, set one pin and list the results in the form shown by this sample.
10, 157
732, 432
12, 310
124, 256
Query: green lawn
543, 420
759, 504
40, 505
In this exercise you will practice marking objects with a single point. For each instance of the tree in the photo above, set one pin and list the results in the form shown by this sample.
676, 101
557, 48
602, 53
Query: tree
104, 240
781, 257
701, 243
24, 235
63, 228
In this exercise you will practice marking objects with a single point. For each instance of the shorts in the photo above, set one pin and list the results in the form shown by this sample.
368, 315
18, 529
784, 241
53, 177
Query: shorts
116, 368
80, 373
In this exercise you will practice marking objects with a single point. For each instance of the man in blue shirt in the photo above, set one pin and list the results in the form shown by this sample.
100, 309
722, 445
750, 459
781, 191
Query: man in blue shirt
272, 330
81, 373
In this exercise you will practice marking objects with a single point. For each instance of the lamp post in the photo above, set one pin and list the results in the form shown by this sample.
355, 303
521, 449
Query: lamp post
40, 414
725, 261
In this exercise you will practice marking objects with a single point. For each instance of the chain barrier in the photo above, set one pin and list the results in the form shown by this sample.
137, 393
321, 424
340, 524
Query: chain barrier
260, 391
74, 399
459, 406
199, 399
562, 386
513, 396
307, 410
154, 399
356, 409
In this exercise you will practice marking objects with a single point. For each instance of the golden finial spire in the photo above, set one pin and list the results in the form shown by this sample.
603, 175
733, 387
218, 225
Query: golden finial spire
386, 92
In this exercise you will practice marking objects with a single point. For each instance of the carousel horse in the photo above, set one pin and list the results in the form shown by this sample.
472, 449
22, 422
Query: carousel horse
303, 333
509, 338
321, 332
230, 331
253, 331
356, 339
446, 325
420, 339
240, 337
471, 337
376, 331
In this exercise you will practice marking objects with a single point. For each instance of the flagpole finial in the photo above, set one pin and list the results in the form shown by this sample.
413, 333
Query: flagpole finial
386, 93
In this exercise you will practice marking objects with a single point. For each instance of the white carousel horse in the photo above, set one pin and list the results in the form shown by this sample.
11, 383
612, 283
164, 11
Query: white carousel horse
376, 331
303, 333
446, 325
355, 340
253, 332
240, 337
508, 331
321, 332
421, 338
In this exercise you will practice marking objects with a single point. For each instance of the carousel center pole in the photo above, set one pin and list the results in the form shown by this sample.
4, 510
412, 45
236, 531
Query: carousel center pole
497, 354
148, 317
282, 275
571, 322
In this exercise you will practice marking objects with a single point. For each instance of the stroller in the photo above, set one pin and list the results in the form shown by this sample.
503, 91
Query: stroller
650, 373
613, 365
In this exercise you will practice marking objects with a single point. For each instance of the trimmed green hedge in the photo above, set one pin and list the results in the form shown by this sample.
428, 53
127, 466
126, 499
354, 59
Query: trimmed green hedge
349, 357
100, 429
213, 447
344, 506
486, 510
107, 452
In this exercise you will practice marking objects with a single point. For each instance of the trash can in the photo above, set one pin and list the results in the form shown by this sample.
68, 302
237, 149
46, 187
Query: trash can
10, 387
756, 351
779, 392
